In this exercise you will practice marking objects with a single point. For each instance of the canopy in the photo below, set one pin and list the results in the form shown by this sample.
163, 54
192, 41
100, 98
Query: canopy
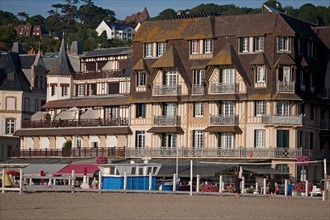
49, 169
79, 170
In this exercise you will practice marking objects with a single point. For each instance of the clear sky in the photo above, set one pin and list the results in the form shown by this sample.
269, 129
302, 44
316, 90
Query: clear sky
123, 8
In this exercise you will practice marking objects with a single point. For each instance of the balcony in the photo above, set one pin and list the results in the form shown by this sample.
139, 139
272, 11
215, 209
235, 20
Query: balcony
167, 90
282, 119
74, 123
197, 89
165, 120
239, 153
224, 120
285, 87
219, 88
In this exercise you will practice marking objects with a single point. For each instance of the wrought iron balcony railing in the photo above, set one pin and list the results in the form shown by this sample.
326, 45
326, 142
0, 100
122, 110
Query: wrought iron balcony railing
285, 87
282, 119
197, 89
224, 119
165, 120
167, 89
224, 88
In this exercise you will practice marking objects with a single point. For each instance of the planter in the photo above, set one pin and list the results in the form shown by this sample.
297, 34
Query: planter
302, 194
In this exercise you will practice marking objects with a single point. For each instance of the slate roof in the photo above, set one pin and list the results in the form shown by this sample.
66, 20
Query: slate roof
11, 75
115, 51
63, 65
118, 26
27, 60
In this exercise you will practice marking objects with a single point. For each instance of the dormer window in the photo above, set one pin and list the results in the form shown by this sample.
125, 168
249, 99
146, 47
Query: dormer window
160, 49
261, 74
194, 46
283, 44
258, 44
154, 50
148, 50
140, 79
244, 45
208, 46
201, 46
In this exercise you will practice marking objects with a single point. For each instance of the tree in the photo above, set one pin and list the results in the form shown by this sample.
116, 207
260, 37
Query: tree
308, 12
166, 14
274, 4
8, 18
8, 35
23, 15
36, 20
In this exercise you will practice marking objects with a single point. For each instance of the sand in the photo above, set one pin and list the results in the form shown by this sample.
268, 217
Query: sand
87, 205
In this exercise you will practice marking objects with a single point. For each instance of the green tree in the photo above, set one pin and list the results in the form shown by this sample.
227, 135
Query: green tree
36, 20
8, 18
165, 14
308, 12
23, 15
8, 35
274, 4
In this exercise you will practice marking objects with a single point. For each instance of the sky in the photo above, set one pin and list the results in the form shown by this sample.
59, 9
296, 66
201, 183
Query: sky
123, 8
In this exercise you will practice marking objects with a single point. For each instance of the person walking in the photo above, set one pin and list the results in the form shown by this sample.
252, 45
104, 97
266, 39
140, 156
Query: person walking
237, 185
272, 186
289, 189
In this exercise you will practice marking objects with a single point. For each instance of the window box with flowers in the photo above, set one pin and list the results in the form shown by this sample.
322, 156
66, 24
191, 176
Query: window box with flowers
300, 187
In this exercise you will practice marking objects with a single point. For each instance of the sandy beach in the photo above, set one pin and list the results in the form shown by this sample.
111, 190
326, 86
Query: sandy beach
85, 205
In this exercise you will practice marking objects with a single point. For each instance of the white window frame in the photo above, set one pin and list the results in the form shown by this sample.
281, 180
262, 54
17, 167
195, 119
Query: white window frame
52, 90
208, 46
170, 109
64, 90
283, 44
244, 44
283, 108
140, 139
198, 109
81, 90
198, 139
227, 76
148, 50
10, 126
194, 47
141, 79
169, 140
160, 49
259, 44
171, 78
226, 140
260, 107
199, 77
228, 108
260, 138
261, 74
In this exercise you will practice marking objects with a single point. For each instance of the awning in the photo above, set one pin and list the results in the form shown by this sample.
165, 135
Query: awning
217, 129
264, 170
49, 169
175, 130
65, 115
115, 130
79, 170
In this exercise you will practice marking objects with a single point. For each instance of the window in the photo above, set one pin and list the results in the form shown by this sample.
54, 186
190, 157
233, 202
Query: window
194, 47
226, 140
311, 140
302, 78
140, 79
208, 46
283, 138
53, 90
198, 139
259, 138
283, 108
170, 109
170, 78
10, 103
301, 109
284, 74
64, 90
91, 89
112, 112
258, 44
300, 46
261, 75
160, 49
78, 141
198, 109
26, 104
113, 88
227, 109
198, 76
141, 110
148, 50
169, 140
260, 108
227, 76
10, 126
283, 44
244, 45
81, 90
36, 105
140, 139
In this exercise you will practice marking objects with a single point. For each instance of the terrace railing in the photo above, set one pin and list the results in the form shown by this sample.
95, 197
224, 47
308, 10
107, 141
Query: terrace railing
74, 123
224, 87
167, 89
282, 119
224, 119
240, 152
285, 87
165, 120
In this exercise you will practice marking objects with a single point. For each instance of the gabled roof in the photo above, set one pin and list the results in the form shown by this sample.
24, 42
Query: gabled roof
260, 59
284, 59
171, 59
27, 60
11, 75
228, 57
118, 26
140, 65
174, 29
63, 65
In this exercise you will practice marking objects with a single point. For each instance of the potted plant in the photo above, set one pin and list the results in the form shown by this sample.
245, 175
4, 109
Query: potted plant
300, 187
66, 149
